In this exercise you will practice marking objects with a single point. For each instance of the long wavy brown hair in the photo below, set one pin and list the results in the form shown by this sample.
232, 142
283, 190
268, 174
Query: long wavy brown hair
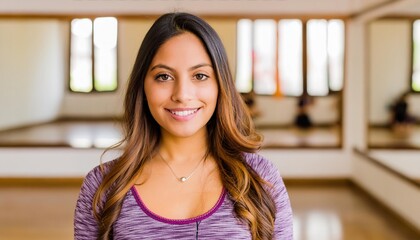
230, 131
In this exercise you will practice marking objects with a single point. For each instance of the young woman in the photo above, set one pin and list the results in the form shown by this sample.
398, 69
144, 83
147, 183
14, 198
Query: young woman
188, 168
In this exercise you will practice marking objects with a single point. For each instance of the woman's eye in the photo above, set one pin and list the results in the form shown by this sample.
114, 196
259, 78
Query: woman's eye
201, 77
163, 77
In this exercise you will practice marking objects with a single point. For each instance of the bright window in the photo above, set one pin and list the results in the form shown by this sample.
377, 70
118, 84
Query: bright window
244, 59
265, 56
290, 57
415, 80
336, 54
270, 56
93, 59
317, 61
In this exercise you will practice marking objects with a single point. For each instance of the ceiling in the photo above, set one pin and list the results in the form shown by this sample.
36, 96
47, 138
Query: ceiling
208, 7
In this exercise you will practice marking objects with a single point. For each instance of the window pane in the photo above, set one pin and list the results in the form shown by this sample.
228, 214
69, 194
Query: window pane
265, 56
415, 84
244, 56
336, 53
105, 43
317, 57
290, 57
81, 55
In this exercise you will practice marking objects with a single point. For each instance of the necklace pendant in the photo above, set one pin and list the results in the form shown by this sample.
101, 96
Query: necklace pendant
183, 179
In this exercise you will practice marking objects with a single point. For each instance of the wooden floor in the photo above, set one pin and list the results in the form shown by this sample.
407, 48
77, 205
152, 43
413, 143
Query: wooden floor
320, 213
343, 212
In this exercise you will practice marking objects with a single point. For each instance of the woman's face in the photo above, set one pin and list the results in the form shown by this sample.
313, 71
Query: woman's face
181, 88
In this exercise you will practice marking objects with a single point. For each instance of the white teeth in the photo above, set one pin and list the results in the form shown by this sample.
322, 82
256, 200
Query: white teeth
184, 113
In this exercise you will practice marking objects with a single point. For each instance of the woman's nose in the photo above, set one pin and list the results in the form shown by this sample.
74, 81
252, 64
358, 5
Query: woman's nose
183, 90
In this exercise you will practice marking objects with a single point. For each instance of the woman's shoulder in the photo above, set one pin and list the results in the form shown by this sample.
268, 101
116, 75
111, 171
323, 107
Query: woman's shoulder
262, 166
94, 177
270, 173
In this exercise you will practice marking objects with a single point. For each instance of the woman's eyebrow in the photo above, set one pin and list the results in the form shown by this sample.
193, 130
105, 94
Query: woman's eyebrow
200, 65
162, 66
172, 69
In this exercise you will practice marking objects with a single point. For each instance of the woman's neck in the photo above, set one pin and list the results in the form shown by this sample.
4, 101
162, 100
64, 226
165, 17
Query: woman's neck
190, 149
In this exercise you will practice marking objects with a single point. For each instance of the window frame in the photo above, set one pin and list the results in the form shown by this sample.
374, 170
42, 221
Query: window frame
304, 22
94, 90
410, 78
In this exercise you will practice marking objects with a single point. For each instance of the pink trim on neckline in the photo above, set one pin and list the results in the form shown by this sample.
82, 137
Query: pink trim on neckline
178, 221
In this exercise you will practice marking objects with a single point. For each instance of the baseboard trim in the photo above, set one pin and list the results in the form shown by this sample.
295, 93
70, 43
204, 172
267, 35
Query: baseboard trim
40, 182
75, 181
316, 181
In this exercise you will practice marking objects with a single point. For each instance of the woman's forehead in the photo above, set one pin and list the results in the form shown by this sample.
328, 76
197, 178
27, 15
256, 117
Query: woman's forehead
184, 50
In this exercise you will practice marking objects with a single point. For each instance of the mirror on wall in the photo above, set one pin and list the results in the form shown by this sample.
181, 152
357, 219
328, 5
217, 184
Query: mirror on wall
393, 85
394, 95
39, 95
291, 73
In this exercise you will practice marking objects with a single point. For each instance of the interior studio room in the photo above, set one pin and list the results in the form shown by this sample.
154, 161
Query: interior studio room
333, 87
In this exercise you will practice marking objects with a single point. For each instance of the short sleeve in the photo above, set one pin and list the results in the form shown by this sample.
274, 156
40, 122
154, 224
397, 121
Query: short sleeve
85, 224
283, 228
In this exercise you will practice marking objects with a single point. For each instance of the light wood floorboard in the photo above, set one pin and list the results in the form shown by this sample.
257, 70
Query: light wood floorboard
343, 212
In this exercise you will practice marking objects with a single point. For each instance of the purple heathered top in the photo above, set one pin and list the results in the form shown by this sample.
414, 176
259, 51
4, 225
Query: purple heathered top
137, 222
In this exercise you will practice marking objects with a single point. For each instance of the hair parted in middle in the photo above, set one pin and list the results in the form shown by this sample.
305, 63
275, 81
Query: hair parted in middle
230, 134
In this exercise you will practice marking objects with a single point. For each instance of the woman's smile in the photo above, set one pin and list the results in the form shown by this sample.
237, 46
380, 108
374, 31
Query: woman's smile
183, 114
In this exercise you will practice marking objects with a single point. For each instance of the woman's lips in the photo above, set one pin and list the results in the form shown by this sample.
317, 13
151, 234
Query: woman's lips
183, 114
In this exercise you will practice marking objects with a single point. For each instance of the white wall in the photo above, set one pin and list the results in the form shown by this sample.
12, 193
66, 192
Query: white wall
68, 162
32, 67
310, 163
396, 193
390, 69
406, 162
354, 100
50, 162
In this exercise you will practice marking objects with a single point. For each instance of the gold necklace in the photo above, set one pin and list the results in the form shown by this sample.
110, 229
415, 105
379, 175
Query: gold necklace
185, 178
